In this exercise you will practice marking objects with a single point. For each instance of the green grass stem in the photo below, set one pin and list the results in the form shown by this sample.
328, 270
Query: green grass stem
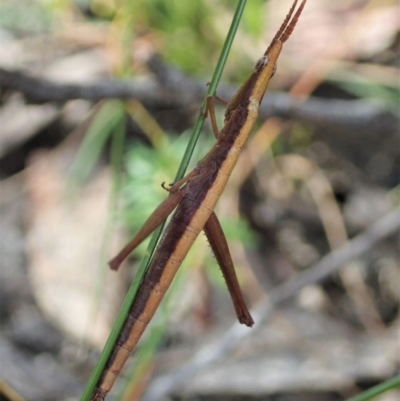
379, 389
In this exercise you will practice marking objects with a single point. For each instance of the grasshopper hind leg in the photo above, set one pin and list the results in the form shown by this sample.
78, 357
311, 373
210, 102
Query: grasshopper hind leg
219, 246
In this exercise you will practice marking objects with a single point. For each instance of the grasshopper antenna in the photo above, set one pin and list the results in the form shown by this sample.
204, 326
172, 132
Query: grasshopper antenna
287, 25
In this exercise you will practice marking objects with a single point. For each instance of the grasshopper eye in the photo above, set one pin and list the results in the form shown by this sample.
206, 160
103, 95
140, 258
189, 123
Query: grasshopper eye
261, 63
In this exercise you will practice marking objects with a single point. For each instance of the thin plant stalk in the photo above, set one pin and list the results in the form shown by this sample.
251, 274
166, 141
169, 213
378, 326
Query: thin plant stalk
155, 237
379, 389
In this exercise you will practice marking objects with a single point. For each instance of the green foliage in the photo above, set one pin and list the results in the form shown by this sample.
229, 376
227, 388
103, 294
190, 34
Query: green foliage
253, 20
146, 169
24, 17
182, 27
188, 33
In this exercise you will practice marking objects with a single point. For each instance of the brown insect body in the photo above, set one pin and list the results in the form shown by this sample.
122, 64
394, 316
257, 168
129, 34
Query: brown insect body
195, 198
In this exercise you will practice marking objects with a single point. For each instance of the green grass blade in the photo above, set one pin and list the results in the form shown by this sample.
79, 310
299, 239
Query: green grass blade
155, 237
116, 157
212, 88
100, 130
118, 136
379, 389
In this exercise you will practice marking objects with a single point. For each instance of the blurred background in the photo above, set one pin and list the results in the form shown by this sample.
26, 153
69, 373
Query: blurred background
98, 99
